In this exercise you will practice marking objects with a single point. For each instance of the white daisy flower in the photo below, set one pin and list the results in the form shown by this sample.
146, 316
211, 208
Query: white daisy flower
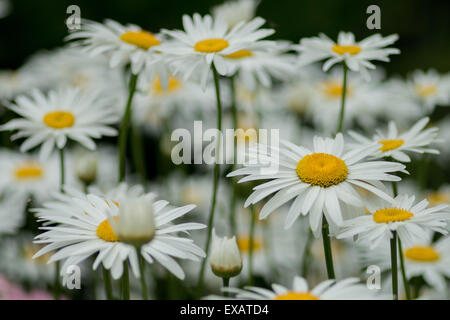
429, 89
356, 55
206, 42
430, 260
236, 11
395, 144
122, 44
412, 222
318, 179
85, 230
363, 100
347, 289
25, 176
15, 82
12, 209
258, 64
50, 120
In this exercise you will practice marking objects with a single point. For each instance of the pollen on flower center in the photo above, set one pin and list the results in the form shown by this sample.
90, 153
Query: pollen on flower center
106, 232
59, 119
391, 215
239, 54
422, 254
28, 171
157, 88
346, 49
244, 244
292, 295
391, 144
426, 90
211, 45
322, 169
141, 39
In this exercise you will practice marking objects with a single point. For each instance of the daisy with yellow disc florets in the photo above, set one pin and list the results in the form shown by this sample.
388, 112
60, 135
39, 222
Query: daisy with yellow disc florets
65, 114
318, 180
347, 289
395, 144
206, 43
93, 225
356, 56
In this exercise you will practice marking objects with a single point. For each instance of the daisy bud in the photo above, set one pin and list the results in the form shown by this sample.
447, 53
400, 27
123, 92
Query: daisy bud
135, 224
225, 259
86, 168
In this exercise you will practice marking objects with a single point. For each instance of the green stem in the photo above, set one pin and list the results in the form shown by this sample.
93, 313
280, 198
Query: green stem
344, 94
327, 249
138, 153
215, 178
394, 188
394, 265
108, 285
125, 282
123, 132
234, 115
57, 287
402, 267
226, 283
142, 278
251, 244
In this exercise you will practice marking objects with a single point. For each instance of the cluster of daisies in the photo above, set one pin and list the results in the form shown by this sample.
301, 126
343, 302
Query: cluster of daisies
91, 184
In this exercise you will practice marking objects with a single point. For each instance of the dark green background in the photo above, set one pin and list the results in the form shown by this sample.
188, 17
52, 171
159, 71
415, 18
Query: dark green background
423, 26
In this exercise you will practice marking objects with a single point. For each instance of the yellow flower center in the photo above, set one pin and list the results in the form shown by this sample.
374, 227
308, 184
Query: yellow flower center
59, 119
422, 254
391, 215
436, 198
244, 244
334, 89
426, 90
346, 49
106, 232
157, 88
391, 144
322, 169
29, 171
239, 54
141, 39
211, 45
291, 295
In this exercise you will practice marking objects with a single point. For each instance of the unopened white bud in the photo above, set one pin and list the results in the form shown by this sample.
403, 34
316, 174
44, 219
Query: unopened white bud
86, 168
225, 259
136, 223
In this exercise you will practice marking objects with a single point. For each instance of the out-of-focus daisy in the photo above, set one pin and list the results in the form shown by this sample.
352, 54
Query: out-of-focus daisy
25, 176
17, 263
85, 230
121, 44
356, 55
430, 260
318, 179
412, 222
50, 120
236, 11
97, 167
347, 289
362, 101
395, 144
431, 88
5, 8
12, 210
15, 82
258, 64
206, 42
440, 196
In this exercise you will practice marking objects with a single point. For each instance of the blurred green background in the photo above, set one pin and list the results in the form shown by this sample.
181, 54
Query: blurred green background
423, 26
